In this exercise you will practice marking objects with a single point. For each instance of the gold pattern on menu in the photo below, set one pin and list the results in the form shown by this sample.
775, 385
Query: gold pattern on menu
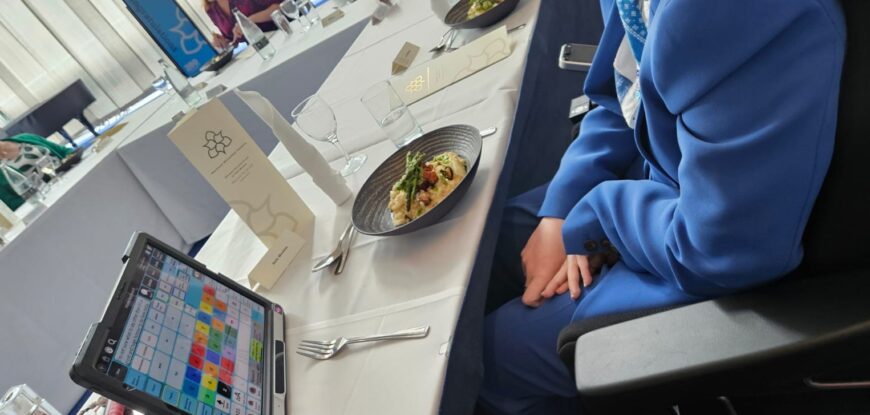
417, 84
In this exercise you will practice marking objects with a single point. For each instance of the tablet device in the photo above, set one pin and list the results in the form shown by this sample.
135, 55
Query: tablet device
174, 31
178, 338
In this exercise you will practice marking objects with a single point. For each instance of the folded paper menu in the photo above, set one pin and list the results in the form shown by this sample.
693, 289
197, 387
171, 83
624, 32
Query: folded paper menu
332, 18
276, 260
405, 58
229, 159
7, 217
424, 80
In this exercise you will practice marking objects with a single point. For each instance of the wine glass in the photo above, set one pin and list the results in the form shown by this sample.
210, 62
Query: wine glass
290, 8
314, 116
20, 184
305, 7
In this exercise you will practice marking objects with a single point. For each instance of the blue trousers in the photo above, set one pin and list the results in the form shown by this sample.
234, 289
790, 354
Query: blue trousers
523, 372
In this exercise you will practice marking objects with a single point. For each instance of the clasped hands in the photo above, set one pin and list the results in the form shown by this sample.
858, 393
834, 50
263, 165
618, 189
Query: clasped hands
549, 270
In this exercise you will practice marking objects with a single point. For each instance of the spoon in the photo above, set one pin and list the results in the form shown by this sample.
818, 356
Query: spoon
445, 40
486, 132
345, 252
448, 46
335, 254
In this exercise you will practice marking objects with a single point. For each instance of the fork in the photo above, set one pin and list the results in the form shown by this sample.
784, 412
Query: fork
322, 350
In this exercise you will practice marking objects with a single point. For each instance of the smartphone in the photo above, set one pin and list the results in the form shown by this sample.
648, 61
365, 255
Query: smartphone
576, 56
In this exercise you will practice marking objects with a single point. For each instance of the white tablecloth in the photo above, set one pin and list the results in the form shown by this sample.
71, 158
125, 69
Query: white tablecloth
57, 273
390, 283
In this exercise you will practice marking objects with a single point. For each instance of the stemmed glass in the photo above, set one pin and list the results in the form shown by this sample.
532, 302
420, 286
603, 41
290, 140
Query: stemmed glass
290, 8
21, 184
315, 117
305, 7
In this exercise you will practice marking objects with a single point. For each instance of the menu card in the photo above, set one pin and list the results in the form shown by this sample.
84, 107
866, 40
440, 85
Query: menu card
7, 217
276, 260
229, 159
405, 57
424, 80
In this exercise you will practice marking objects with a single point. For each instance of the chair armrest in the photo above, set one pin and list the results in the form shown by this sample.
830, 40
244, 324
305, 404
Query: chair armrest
747, 344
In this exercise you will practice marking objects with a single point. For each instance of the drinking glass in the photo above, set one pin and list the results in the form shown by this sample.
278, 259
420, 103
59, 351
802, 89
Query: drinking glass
305, 7
46, 166
289, 8
281, 22
391, 114
316, 119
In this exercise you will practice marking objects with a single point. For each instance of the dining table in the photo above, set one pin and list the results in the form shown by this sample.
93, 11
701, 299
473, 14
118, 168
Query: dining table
436, 276
59, 265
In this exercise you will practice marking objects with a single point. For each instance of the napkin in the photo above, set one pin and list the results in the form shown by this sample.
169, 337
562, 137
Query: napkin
327, 179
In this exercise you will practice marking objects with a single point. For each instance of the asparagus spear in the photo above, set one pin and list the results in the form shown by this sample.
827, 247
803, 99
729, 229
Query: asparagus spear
411, 180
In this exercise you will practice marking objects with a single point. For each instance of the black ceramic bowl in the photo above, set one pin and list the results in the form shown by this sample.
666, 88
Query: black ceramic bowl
219, 61
370, 213
458, 15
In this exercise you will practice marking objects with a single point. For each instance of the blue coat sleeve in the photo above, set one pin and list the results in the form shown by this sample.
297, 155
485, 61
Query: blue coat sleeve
752, 86
605, 148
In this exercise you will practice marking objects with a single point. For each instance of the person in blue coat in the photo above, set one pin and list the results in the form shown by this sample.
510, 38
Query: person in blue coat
693, 178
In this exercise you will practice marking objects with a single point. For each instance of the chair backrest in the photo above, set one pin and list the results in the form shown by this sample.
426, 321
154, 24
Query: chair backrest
837, 236
838, 233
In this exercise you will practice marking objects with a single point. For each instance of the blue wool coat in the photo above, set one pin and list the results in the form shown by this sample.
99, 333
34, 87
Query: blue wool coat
735, 135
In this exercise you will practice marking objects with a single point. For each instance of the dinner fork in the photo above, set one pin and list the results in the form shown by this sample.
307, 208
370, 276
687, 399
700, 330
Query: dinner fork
322, 350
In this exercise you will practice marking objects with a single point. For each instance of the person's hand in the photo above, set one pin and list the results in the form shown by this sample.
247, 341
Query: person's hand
101, 403
543, 256
577, 268
9, 150
219, 41
237, 33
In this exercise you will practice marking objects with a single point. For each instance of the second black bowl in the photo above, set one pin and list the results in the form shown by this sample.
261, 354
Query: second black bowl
370, 213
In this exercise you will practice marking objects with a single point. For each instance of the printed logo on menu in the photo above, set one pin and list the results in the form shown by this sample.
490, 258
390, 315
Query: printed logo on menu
216, 143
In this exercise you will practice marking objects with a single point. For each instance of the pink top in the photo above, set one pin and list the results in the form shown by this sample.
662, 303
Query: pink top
226, 22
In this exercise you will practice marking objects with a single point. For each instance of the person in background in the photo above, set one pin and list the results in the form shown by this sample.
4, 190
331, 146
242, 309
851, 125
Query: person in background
221, 14
21, 152
694, 178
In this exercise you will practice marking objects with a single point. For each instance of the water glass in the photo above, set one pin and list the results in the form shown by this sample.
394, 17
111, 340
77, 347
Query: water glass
391, 114
316, 119
47, 167
289, 8
281, 22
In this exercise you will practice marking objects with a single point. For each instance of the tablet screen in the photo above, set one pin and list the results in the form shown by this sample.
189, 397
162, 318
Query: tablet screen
190, 341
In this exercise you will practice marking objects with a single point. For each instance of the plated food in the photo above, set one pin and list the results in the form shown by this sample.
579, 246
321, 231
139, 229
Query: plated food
424, 184
478, 7
372, 214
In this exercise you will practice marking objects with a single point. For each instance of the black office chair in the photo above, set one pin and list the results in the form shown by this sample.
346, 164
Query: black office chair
794, 346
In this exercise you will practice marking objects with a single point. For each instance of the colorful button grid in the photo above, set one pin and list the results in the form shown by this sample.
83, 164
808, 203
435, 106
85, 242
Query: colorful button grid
200, 346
